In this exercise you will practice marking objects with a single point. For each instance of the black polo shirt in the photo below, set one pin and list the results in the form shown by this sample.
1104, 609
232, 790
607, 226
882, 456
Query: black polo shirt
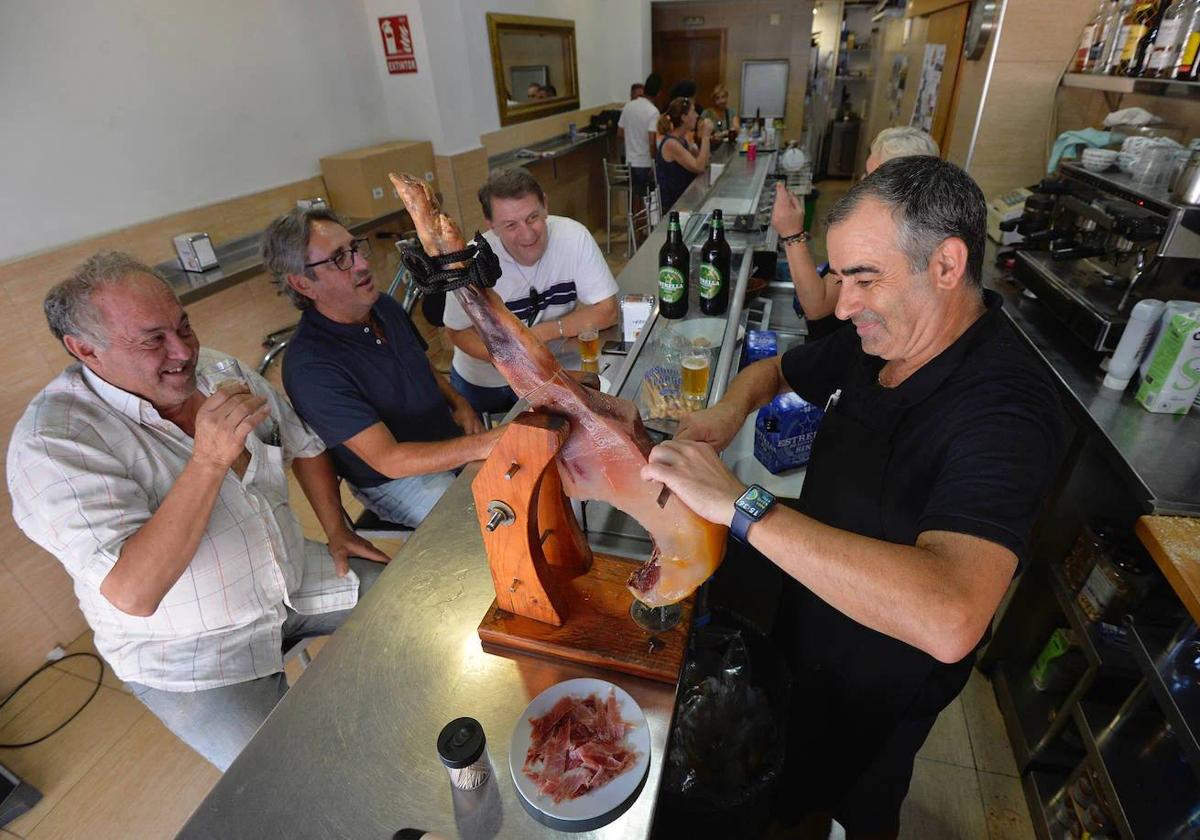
341, 380
976, 433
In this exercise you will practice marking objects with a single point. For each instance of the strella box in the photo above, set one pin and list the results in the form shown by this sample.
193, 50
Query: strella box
1173, 379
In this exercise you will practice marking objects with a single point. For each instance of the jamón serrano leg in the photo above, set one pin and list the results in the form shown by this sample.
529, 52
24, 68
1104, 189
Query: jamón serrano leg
607, 445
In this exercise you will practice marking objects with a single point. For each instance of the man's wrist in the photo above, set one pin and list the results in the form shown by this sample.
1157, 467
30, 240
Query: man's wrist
794, 238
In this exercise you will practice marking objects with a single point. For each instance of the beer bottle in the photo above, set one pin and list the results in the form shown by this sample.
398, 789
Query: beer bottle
673, 266
714, 268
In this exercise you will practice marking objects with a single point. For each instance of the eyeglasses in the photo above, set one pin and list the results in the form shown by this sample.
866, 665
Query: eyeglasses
343, 258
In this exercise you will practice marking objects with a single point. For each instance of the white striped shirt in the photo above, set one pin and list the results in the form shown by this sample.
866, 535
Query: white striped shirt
88, 464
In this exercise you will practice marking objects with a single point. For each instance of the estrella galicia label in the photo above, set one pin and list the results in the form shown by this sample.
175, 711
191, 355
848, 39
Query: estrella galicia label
710, 281
670, 284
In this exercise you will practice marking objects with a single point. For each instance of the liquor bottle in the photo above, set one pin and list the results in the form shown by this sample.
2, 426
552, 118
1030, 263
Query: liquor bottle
715, 259
1189, 45
1160, 44
1110, 23
1142, 18
1116, 43
1087, 39
674, 264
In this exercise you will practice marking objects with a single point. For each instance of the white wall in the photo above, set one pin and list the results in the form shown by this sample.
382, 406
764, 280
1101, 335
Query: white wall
118, 112
410, 102
115, 113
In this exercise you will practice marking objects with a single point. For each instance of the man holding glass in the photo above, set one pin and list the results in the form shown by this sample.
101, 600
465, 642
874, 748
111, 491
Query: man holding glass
357, 372
172, 516
554, 279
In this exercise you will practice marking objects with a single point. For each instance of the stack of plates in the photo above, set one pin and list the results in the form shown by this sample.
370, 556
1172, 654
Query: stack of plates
1097, 160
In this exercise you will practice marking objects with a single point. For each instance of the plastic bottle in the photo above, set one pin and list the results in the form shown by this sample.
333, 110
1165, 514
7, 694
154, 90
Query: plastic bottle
1139, 332
1170, 310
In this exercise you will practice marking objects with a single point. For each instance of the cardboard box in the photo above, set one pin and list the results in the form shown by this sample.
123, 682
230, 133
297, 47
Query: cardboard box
1173, 380
358, 183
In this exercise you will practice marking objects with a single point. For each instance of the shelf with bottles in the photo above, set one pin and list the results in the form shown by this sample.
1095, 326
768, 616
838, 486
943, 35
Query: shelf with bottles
1142, 46
1151, 789
1130, 84
1040, 787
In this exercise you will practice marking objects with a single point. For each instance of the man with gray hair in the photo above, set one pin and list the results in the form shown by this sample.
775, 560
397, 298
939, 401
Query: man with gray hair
357, 372
170, 512
815, 296
940, 437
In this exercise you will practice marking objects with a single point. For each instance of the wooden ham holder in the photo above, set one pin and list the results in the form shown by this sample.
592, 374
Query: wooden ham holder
554, 597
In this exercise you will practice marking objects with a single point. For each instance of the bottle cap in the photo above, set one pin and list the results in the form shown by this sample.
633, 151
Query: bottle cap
1117, 383
461, 743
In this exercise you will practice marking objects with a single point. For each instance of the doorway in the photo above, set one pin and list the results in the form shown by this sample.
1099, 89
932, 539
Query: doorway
697, 54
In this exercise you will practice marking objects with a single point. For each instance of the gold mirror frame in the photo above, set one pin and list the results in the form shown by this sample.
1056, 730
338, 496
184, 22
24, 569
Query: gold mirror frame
510, 114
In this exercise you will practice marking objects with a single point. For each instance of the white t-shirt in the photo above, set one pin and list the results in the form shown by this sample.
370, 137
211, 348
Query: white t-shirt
572, 268
638, 118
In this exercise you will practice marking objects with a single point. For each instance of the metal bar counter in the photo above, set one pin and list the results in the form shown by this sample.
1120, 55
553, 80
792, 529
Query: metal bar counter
1160, 453
351, 751
551, 149
240, 260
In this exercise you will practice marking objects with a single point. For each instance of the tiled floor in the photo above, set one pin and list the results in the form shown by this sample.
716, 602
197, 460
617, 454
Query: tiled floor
116, 772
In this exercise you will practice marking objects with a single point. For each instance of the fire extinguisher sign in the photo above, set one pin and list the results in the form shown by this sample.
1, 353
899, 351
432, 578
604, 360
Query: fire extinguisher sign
397, 44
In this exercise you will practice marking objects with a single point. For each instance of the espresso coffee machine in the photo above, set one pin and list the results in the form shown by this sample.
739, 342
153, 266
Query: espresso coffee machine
1097, 243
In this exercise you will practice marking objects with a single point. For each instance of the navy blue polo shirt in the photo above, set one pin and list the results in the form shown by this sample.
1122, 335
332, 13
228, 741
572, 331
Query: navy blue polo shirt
341, 380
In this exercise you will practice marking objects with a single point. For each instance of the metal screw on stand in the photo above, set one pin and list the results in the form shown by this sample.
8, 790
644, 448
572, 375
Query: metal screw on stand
499, 514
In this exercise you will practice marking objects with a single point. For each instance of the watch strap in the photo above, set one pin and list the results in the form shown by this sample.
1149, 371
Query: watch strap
740, 525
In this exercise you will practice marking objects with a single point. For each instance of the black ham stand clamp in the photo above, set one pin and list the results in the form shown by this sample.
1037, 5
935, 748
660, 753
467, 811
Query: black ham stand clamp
433, 274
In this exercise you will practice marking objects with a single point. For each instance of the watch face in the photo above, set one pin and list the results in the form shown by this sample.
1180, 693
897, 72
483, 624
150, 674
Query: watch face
755, 502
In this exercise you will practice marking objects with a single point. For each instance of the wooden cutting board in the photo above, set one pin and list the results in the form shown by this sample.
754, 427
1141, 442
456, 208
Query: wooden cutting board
598, 630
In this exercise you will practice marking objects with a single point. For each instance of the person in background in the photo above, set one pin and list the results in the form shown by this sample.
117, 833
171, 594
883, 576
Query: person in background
816, 297
534, 92
684, 89
725, 122
635, 90
171, 514
554, 278
942, 434
677, 163
549, 92
357, 372
636, 127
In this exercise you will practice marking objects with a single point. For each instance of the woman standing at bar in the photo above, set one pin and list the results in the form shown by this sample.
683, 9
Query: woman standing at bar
725, 122
676, 163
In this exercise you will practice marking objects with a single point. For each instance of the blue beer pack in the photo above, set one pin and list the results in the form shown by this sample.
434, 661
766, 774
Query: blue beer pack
783, 432
759, 344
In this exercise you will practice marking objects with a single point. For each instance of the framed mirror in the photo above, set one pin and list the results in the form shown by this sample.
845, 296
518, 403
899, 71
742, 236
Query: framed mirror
533, 65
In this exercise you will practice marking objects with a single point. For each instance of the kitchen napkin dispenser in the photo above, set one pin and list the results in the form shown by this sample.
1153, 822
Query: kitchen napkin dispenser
195, 252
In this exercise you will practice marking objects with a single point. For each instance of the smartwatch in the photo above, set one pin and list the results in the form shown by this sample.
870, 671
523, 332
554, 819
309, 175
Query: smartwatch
750, 507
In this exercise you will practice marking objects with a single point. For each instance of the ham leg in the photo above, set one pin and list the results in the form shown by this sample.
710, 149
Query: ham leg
607, 445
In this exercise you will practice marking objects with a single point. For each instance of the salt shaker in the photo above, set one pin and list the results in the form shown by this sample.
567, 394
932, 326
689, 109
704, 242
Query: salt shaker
462, 747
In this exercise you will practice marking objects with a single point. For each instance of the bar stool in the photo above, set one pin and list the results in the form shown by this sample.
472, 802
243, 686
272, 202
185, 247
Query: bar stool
642, 222
618, 179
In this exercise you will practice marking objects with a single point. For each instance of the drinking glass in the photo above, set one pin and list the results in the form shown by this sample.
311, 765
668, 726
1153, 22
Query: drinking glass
209, 378
589, 345
693, 372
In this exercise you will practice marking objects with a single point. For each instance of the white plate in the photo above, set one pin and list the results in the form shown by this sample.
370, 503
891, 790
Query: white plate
599, 802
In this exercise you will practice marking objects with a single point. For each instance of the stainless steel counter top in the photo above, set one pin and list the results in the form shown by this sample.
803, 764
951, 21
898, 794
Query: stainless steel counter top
351, 751
551, 149
239, 260
1160, 453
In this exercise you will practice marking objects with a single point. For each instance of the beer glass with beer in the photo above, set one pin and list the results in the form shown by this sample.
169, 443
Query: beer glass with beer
589, 350
694, 367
